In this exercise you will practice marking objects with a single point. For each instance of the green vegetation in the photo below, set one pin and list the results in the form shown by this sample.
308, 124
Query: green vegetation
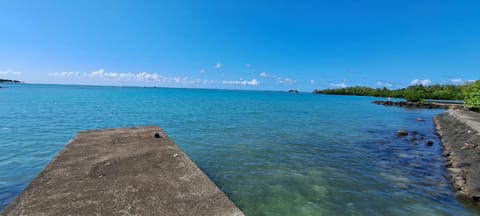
414, 93
472, 95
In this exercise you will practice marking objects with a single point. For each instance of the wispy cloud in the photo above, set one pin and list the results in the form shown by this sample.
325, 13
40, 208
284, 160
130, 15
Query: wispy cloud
10, 72
457, 80
64, 74
285, 80
264, 75
218, 65
202, 71
385, 84
252, 82
143, 76
278, 79
420, 82
339, 85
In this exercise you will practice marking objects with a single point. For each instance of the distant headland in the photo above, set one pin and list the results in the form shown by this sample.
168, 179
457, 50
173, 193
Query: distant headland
9, 81
418, 95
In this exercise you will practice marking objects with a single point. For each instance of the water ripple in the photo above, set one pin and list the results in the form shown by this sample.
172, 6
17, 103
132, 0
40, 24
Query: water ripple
272, 153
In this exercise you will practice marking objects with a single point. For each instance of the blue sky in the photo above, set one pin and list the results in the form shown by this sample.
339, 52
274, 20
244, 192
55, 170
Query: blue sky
268, 45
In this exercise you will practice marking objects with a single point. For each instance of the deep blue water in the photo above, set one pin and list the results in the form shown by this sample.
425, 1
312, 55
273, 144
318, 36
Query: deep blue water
272, 153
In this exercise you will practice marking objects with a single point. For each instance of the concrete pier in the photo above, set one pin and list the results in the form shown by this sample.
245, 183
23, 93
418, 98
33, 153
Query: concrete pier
129, 171
460, 134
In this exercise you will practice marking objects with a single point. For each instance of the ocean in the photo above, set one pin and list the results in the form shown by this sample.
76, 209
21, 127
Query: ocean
272, 153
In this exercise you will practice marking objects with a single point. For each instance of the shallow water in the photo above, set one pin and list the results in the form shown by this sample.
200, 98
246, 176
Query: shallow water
272, 153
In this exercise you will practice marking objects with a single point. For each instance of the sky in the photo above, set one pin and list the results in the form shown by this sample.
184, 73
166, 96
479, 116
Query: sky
248, 44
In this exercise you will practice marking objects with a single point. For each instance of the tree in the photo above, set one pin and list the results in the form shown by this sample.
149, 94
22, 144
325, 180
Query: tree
472, 95
414, 96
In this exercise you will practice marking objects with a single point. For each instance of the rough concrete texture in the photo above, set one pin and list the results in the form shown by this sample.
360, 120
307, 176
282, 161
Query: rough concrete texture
460, 134
128, 171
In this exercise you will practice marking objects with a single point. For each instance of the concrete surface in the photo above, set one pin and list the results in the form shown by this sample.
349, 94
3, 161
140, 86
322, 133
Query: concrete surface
470, 118
128, 171
459, 132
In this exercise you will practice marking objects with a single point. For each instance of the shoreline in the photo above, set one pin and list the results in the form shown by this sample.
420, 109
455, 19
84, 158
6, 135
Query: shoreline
459, 132
429, 105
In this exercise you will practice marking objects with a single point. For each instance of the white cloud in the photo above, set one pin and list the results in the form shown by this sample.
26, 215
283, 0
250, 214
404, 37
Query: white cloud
218, 65
384, 84
9, 71
457, 80
285, 80
420, 82
339, 85
252, 82
64, 74
97, 73
312, 82
202, 71
280, 80
264, 75
143, 76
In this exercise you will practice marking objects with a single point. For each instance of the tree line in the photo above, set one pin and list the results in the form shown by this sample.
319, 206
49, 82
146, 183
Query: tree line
469, 92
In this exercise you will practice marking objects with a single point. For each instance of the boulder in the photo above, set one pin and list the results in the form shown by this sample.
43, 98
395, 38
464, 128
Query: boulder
402, 133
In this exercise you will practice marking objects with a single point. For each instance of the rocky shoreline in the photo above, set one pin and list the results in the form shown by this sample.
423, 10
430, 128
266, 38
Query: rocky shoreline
405, 104
460, 135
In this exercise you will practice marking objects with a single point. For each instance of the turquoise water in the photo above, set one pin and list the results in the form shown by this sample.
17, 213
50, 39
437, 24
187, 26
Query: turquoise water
272, 153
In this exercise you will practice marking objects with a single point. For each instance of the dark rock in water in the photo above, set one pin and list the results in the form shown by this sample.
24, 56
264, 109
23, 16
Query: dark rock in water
408, 104
293, 91
157, 135
420, 119
429, 142
401, 133
414, 133
413, 139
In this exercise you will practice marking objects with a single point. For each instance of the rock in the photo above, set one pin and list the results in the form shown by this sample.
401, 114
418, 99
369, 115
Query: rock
458, 164
468, 146
459, 183
435, 105
462, 196
402, 133
429, 142
293, 91
413, 139
414, 133
157, 135
455, 171
420, 119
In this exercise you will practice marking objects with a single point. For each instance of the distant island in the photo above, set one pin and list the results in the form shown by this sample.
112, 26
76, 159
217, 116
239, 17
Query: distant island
9, 81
